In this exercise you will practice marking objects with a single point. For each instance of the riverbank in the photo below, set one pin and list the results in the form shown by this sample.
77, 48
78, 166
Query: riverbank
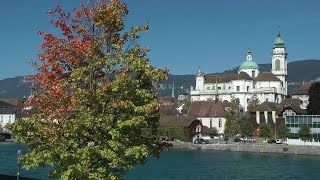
256, 148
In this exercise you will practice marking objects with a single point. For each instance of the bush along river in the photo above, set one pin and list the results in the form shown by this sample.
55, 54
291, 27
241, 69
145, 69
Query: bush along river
196, 164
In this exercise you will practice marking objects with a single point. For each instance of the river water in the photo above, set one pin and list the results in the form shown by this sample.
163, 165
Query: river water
185, 165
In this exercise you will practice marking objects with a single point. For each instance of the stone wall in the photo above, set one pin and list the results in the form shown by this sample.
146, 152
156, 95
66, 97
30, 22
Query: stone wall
257, 148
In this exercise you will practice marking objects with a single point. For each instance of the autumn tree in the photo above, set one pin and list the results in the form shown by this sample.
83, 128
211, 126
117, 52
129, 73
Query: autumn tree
314, 99
304, 132
96, 93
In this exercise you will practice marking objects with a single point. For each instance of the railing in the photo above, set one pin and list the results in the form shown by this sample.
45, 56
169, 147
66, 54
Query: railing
300, 142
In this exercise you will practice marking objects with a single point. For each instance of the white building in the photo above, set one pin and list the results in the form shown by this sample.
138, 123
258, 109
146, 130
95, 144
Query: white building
302, 93
10, 109
249, 82
210, 113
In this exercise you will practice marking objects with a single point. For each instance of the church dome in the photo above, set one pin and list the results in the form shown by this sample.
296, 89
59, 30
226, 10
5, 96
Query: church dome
279, 41
249, 63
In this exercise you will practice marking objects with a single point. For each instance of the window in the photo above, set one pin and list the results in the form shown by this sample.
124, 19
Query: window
208, 88
219, 123
267, 99
248, 88
238, 88
9, 119
277, 65
210, 123
248, 100
253, 73
219, 88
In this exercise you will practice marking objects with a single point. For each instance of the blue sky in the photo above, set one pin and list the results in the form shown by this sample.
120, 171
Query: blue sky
183, 35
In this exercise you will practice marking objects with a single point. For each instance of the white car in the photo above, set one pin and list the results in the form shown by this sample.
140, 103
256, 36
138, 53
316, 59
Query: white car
278, 141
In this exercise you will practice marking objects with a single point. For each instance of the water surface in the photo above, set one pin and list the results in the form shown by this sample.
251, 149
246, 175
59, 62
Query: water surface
185, 165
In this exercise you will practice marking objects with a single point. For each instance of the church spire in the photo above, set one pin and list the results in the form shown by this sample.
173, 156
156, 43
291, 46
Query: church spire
279, 41
249, 55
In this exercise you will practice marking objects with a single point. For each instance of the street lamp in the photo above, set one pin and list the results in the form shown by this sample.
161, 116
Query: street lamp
18, 163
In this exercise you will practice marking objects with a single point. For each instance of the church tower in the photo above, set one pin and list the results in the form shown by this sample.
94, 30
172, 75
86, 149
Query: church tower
199, 80
279, 62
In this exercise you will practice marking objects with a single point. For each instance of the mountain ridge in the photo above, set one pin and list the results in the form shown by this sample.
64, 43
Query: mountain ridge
298, 72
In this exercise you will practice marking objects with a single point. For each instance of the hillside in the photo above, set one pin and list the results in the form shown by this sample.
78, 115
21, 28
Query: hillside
298, 71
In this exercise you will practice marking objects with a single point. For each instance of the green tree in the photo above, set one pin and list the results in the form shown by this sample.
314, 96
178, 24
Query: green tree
96, 94
265, 130
253, 103
232, 123
186, 106
214, 131
283, 131
246, 128
314, 99
304, 132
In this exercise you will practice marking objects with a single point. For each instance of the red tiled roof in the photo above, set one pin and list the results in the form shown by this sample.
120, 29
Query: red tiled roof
177, 121
220, 78
13, 102
268, 106
206, 109
206, 130
293, 104
266, 76
302, 90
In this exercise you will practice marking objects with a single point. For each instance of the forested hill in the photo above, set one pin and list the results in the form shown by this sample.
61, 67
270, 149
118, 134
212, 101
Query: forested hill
298, 71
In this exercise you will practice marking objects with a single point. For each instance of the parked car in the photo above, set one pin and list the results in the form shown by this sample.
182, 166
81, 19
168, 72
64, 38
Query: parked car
237, 139
271, 141
279, 141
200, 141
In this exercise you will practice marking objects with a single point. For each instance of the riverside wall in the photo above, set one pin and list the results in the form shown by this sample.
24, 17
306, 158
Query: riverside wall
256, 148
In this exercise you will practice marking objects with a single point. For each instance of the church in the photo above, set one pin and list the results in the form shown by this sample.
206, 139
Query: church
248, 83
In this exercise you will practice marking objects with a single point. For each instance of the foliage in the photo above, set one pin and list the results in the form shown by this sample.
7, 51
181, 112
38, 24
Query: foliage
283, 131
253, 103
304, 132
186, 107
214, 131
172, 132
246, 128
96, 92
265, 130
314, 99
232, 124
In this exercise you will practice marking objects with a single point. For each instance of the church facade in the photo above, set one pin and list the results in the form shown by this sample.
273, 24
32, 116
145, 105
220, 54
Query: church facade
248, 83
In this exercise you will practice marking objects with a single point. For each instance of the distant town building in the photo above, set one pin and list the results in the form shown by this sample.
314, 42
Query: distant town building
249, 82
302, 93
210, 113
10, 110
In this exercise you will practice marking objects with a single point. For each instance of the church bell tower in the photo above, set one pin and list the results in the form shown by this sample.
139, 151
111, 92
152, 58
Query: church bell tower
279, 62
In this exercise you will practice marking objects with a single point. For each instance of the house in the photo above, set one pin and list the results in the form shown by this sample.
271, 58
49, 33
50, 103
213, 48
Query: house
184, 128
292, 106
10, 110
302, 93
210, 113
266, 113
275, 113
